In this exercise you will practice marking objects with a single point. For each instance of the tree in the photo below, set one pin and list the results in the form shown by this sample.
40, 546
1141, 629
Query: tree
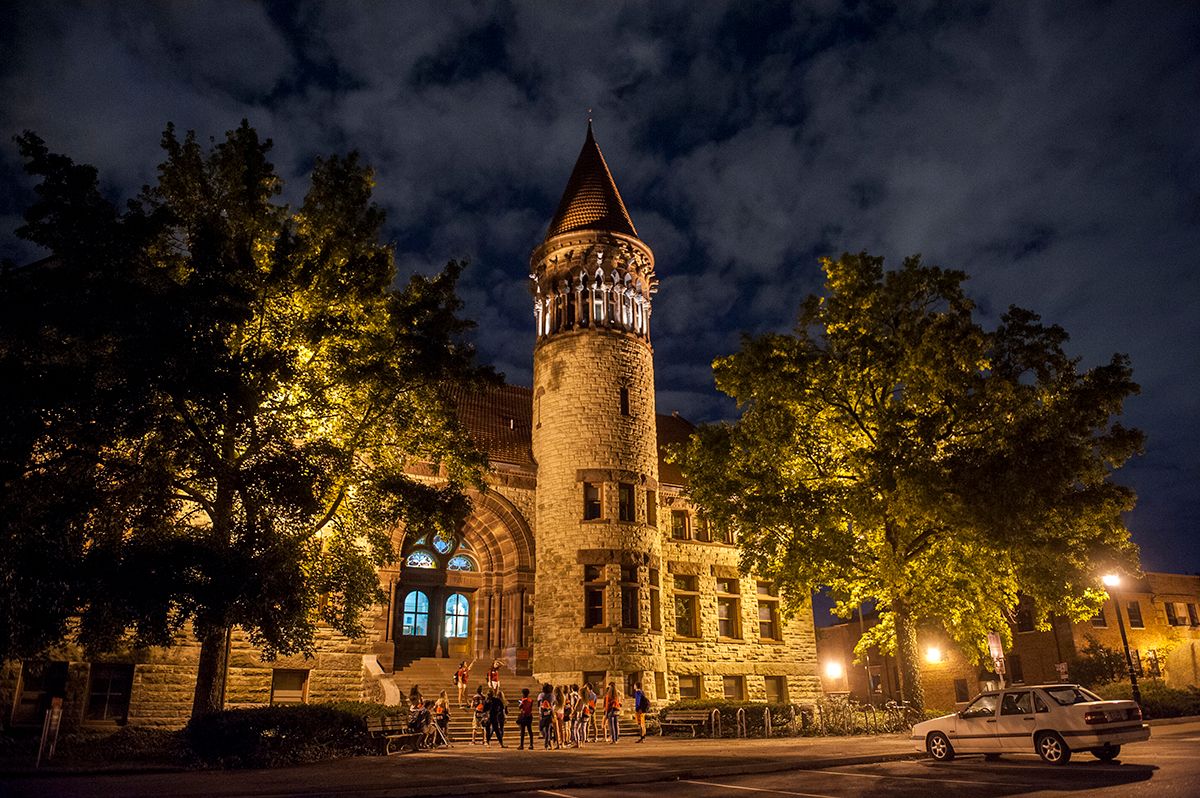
894, 450
261, 388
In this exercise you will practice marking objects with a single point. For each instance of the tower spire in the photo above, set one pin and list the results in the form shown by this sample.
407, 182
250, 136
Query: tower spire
591, 200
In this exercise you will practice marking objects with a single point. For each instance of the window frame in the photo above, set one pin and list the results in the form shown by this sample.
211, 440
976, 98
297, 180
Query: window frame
680, 525
687, 592
593, 508
304, 683
733, 601
416, 614
781, 690
631, 597
116, 676
626, 502
458, 625
595, 584
691, 679
1133, 606
768, 598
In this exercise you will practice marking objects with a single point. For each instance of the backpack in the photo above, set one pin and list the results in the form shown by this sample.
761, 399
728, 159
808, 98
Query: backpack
643, 703
546, 707
527, 707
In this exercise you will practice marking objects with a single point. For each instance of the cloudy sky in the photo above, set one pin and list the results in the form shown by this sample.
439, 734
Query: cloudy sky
1051, 150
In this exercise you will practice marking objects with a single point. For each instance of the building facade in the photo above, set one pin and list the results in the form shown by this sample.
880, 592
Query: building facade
1160, 612
583, 561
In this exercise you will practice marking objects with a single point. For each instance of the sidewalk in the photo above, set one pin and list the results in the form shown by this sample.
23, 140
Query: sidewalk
476, 770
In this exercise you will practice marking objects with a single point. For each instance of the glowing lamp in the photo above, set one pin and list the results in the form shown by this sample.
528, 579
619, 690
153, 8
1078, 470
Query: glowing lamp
1110, 580
933, 655
834, 670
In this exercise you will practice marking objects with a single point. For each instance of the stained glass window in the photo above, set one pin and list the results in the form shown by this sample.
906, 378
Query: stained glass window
457, 613
420, 559
460, 562
416, 614
443, 543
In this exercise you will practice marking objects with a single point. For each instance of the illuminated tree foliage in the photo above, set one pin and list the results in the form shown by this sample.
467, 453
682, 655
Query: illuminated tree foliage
221, 394
894, 450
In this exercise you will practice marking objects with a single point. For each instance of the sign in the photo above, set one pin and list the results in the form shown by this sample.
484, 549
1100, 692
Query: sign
50, 731
995, 648
1061, 667
998, 665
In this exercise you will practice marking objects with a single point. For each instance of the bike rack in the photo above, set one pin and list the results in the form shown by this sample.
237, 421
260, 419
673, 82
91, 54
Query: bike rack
740, 720
715, 720
766, 721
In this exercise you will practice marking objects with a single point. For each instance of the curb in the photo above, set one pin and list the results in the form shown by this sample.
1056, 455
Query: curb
1173, 721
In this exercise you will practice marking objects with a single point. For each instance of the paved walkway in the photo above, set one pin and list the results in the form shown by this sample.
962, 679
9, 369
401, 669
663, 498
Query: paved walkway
476, 770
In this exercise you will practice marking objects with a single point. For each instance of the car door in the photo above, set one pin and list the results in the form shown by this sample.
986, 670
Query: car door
975, 729
1016, 721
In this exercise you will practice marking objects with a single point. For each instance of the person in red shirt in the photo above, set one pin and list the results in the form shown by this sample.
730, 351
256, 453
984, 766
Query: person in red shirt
525, 718
612, 711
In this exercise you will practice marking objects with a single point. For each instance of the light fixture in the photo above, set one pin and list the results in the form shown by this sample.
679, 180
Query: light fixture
1110, 580
834, 670
933, 655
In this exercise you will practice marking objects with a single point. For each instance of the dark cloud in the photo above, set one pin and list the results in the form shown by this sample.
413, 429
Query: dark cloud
1047, 149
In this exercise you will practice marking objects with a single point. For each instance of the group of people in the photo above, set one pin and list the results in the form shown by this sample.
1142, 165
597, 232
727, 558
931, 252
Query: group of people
567, 716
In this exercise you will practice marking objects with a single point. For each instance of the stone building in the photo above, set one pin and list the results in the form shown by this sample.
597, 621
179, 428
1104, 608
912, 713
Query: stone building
583, 561
1160, 611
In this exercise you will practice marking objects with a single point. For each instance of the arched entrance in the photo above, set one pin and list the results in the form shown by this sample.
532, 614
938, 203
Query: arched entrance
471, 594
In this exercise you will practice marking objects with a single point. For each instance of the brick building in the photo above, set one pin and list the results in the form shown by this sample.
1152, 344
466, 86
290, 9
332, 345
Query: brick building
583, 560
1161, 613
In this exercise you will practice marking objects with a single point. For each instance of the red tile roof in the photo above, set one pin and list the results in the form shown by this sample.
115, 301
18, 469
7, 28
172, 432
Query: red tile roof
591, 200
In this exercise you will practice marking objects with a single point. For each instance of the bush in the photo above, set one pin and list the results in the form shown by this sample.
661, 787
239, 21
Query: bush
282, 735
1158, 700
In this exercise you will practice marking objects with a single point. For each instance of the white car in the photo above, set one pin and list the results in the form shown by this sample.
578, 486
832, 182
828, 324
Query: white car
1052, 720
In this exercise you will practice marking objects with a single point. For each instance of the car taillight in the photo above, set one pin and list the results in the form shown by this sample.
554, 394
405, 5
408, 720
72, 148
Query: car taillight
1095, 717
1135, 713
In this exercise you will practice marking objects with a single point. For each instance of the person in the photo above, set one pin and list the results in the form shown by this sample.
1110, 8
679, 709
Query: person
545, 702
591, 711
494, 676
641, 705
582, 716
568, 714
479, 719
560, 704
414, 696
497, 713
441, 714
612, 712
460, 680
525, 719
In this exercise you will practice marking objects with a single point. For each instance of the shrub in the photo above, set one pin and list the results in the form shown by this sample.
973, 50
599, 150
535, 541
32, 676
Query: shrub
1158, 700
781, 714
281, 735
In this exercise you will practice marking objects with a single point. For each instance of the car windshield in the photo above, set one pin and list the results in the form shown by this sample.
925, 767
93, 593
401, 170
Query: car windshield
1067, 695
982, 707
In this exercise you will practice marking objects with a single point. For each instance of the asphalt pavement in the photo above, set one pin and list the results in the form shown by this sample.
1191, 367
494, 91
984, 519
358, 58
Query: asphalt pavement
816, 767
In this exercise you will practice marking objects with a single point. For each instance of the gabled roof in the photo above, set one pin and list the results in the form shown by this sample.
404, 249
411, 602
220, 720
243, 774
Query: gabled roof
591, 201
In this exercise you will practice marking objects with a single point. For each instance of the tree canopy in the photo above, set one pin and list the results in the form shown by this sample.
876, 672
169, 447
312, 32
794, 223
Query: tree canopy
220, 397
894, 450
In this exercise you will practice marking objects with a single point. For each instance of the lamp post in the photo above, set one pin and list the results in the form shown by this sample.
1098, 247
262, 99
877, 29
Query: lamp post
1111, 581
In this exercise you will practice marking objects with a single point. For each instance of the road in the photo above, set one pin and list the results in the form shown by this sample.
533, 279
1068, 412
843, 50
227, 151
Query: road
1166, 767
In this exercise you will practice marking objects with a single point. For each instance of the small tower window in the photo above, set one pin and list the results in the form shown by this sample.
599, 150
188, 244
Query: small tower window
591, 501
651, 508
625, 508
624, 401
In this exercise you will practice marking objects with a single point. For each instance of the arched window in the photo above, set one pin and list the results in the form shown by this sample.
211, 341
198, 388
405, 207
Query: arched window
460, 562
420, 559
443, 543
416, 614
457, 615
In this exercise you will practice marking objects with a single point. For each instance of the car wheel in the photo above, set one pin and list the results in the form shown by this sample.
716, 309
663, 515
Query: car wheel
991, 757
1108, 753
938, 746
1052, 749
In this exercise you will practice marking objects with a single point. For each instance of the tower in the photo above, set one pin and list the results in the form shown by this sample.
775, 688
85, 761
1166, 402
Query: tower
594, 439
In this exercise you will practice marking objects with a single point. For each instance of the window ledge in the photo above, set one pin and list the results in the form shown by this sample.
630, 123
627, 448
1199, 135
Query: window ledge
721, 639
594, 520
775, 640
596, 629
682, 639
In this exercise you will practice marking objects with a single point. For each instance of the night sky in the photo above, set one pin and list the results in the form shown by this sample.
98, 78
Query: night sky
1050, 150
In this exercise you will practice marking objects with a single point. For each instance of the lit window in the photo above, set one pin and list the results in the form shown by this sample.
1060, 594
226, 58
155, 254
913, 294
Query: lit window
457, 613
460, 562
443, 543
289, 686
421, 559
416, 615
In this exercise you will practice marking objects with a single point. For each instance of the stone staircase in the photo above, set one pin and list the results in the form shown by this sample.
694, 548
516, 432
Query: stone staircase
434, 674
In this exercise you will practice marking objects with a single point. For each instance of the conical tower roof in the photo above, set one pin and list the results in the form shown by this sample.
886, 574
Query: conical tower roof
591, 201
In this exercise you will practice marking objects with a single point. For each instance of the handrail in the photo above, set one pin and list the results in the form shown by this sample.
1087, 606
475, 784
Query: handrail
715, 719
740, 720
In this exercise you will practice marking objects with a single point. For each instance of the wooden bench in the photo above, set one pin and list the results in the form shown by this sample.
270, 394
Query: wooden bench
685, 718
393, 734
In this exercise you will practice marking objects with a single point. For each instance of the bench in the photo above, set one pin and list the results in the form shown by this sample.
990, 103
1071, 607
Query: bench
685, 718
393, 734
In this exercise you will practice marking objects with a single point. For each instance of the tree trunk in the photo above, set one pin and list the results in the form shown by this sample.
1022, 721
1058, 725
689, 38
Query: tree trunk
210, 676
906, 653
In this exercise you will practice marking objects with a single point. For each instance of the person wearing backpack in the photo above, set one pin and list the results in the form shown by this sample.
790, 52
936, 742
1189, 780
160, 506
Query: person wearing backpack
582, 715
545, 702
479, 718
641, 705
612, 712
525, 719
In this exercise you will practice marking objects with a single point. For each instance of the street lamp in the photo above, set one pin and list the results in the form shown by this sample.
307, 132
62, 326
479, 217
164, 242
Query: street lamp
1112, 581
